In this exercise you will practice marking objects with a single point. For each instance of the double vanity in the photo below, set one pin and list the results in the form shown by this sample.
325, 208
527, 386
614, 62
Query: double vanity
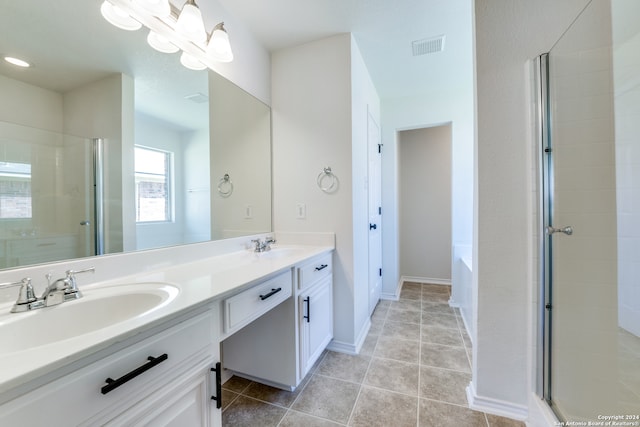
153, 343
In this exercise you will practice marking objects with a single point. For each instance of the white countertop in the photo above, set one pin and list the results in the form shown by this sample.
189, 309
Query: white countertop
200, 282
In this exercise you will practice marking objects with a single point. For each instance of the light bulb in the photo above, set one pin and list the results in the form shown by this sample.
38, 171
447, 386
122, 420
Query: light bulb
118, 17
191, 62
219, 46
17, 62
190, 23
161, 43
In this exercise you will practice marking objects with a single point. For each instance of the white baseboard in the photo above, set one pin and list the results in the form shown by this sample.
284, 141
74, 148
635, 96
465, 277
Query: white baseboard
430, 280
348, 348
495, 406
390, 297
453, 304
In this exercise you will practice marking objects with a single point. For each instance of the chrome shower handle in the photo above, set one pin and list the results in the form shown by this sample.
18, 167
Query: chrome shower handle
568, 230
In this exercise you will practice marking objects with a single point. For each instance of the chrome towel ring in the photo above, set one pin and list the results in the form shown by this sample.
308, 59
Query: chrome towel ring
327, 181
225, 186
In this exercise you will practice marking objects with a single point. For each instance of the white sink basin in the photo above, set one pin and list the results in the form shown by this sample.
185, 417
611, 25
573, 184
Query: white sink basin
99, 308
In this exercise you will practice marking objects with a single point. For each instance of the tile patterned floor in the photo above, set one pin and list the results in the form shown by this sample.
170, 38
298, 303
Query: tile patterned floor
412, 371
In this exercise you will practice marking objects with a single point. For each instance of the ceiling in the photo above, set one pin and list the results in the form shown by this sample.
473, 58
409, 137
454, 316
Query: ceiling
383, 29
70, 52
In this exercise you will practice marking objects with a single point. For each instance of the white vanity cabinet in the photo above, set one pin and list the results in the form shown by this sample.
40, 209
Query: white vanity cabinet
315, 310
280, 346
163, 379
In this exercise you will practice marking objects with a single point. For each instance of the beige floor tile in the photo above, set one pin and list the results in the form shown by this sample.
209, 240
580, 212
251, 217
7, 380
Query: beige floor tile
398, 349
407, 304
344, 366
438, 309
236, 384
445, 336
227, 398
436, 289
496, 421
403, 316
405, 331
369, 345
379, 408
328, 398
414, 286
393, 375
435, 297
438, 414
411, 294
298, 419
440, 320
444, 385
247, 412
444, 356
271, 394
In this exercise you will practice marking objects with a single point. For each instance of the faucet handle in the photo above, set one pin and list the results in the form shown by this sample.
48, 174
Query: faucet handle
71, 279
26, 294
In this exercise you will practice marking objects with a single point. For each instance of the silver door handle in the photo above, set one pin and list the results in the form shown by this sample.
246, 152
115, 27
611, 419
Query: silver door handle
568, 230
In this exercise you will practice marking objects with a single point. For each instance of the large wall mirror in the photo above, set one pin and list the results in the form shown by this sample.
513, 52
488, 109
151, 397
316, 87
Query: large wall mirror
107, 145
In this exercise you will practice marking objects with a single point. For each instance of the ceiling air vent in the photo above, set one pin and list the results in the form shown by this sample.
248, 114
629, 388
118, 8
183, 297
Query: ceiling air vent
430, 45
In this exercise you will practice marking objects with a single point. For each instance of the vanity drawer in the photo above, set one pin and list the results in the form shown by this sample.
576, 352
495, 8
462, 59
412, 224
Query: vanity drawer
245, 307
315, 270
84, 389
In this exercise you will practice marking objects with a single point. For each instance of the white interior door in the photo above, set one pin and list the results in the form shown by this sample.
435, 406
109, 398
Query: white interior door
375, 213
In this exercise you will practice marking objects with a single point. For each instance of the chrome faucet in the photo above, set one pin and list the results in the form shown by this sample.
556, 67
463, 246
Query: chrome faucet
263, 246
26, 297
64, 289
57, 292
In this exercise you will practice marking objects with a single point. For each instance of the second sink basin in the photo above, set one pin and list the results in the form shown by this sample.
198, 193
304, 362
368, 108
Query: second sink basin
99, 308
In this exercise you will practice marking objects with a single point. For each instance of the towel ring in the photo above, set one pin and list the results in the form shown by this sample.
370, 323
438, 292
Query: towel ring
225, 186
327, 181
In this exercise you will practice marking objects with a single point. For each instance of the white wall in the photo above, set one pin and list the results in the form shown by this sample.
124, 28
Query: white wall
320, 95
508, 37
197, 186
425, 203
104, 109
29, 105
241, 147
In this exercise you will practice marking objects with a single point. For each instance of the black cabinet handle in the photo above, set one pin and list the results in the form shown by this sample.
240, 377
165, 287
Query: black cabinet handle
218, 396
114, 384
373, 226
322, 267
308, 316
273, 292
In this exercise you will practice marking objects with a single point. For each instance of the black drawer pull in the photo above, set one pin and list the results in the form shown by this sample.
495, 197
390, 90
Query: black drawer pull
322, 267
273, 292
218, 396
114, 384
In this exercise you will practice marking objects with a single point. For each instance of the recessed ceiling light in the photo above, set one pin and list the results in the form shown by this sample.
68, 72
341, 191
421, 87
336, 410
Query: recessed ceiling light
17, 62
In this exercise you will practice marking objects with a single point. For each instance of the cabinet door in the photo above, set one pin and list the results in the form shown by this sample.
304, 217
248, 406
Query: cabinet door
316, 316
184, 402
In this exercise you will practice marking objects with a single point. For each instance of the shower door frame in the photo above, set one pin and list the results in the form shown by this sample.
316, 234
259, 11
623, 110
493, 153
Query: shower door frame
544, 220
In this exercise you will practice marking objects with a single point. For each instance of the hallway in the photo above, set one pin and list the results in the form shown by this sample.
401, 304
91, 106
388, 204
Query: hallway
412, 371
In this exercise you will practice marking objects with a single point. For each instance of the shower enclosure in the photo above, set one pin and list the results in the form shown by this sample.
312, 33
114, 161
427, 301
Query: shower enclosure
48, 205
589, 222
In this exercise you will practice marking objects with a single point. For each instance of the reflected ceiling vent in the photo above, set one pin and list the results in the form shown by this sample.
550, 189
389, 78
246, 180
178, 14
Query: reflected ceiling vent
430, 45
198, 98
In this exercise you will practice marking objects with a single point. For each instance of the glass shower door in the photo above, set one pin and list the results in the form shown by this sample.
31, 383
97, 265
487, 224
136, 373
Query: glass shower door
593, 344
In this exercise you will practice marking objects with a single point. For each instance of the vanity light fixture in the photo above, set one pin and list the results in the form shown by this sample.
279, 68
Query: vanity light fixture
161, 43
119, 17
219, 46
190, 23
17, 62
172, 31
191, 62
159, 8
